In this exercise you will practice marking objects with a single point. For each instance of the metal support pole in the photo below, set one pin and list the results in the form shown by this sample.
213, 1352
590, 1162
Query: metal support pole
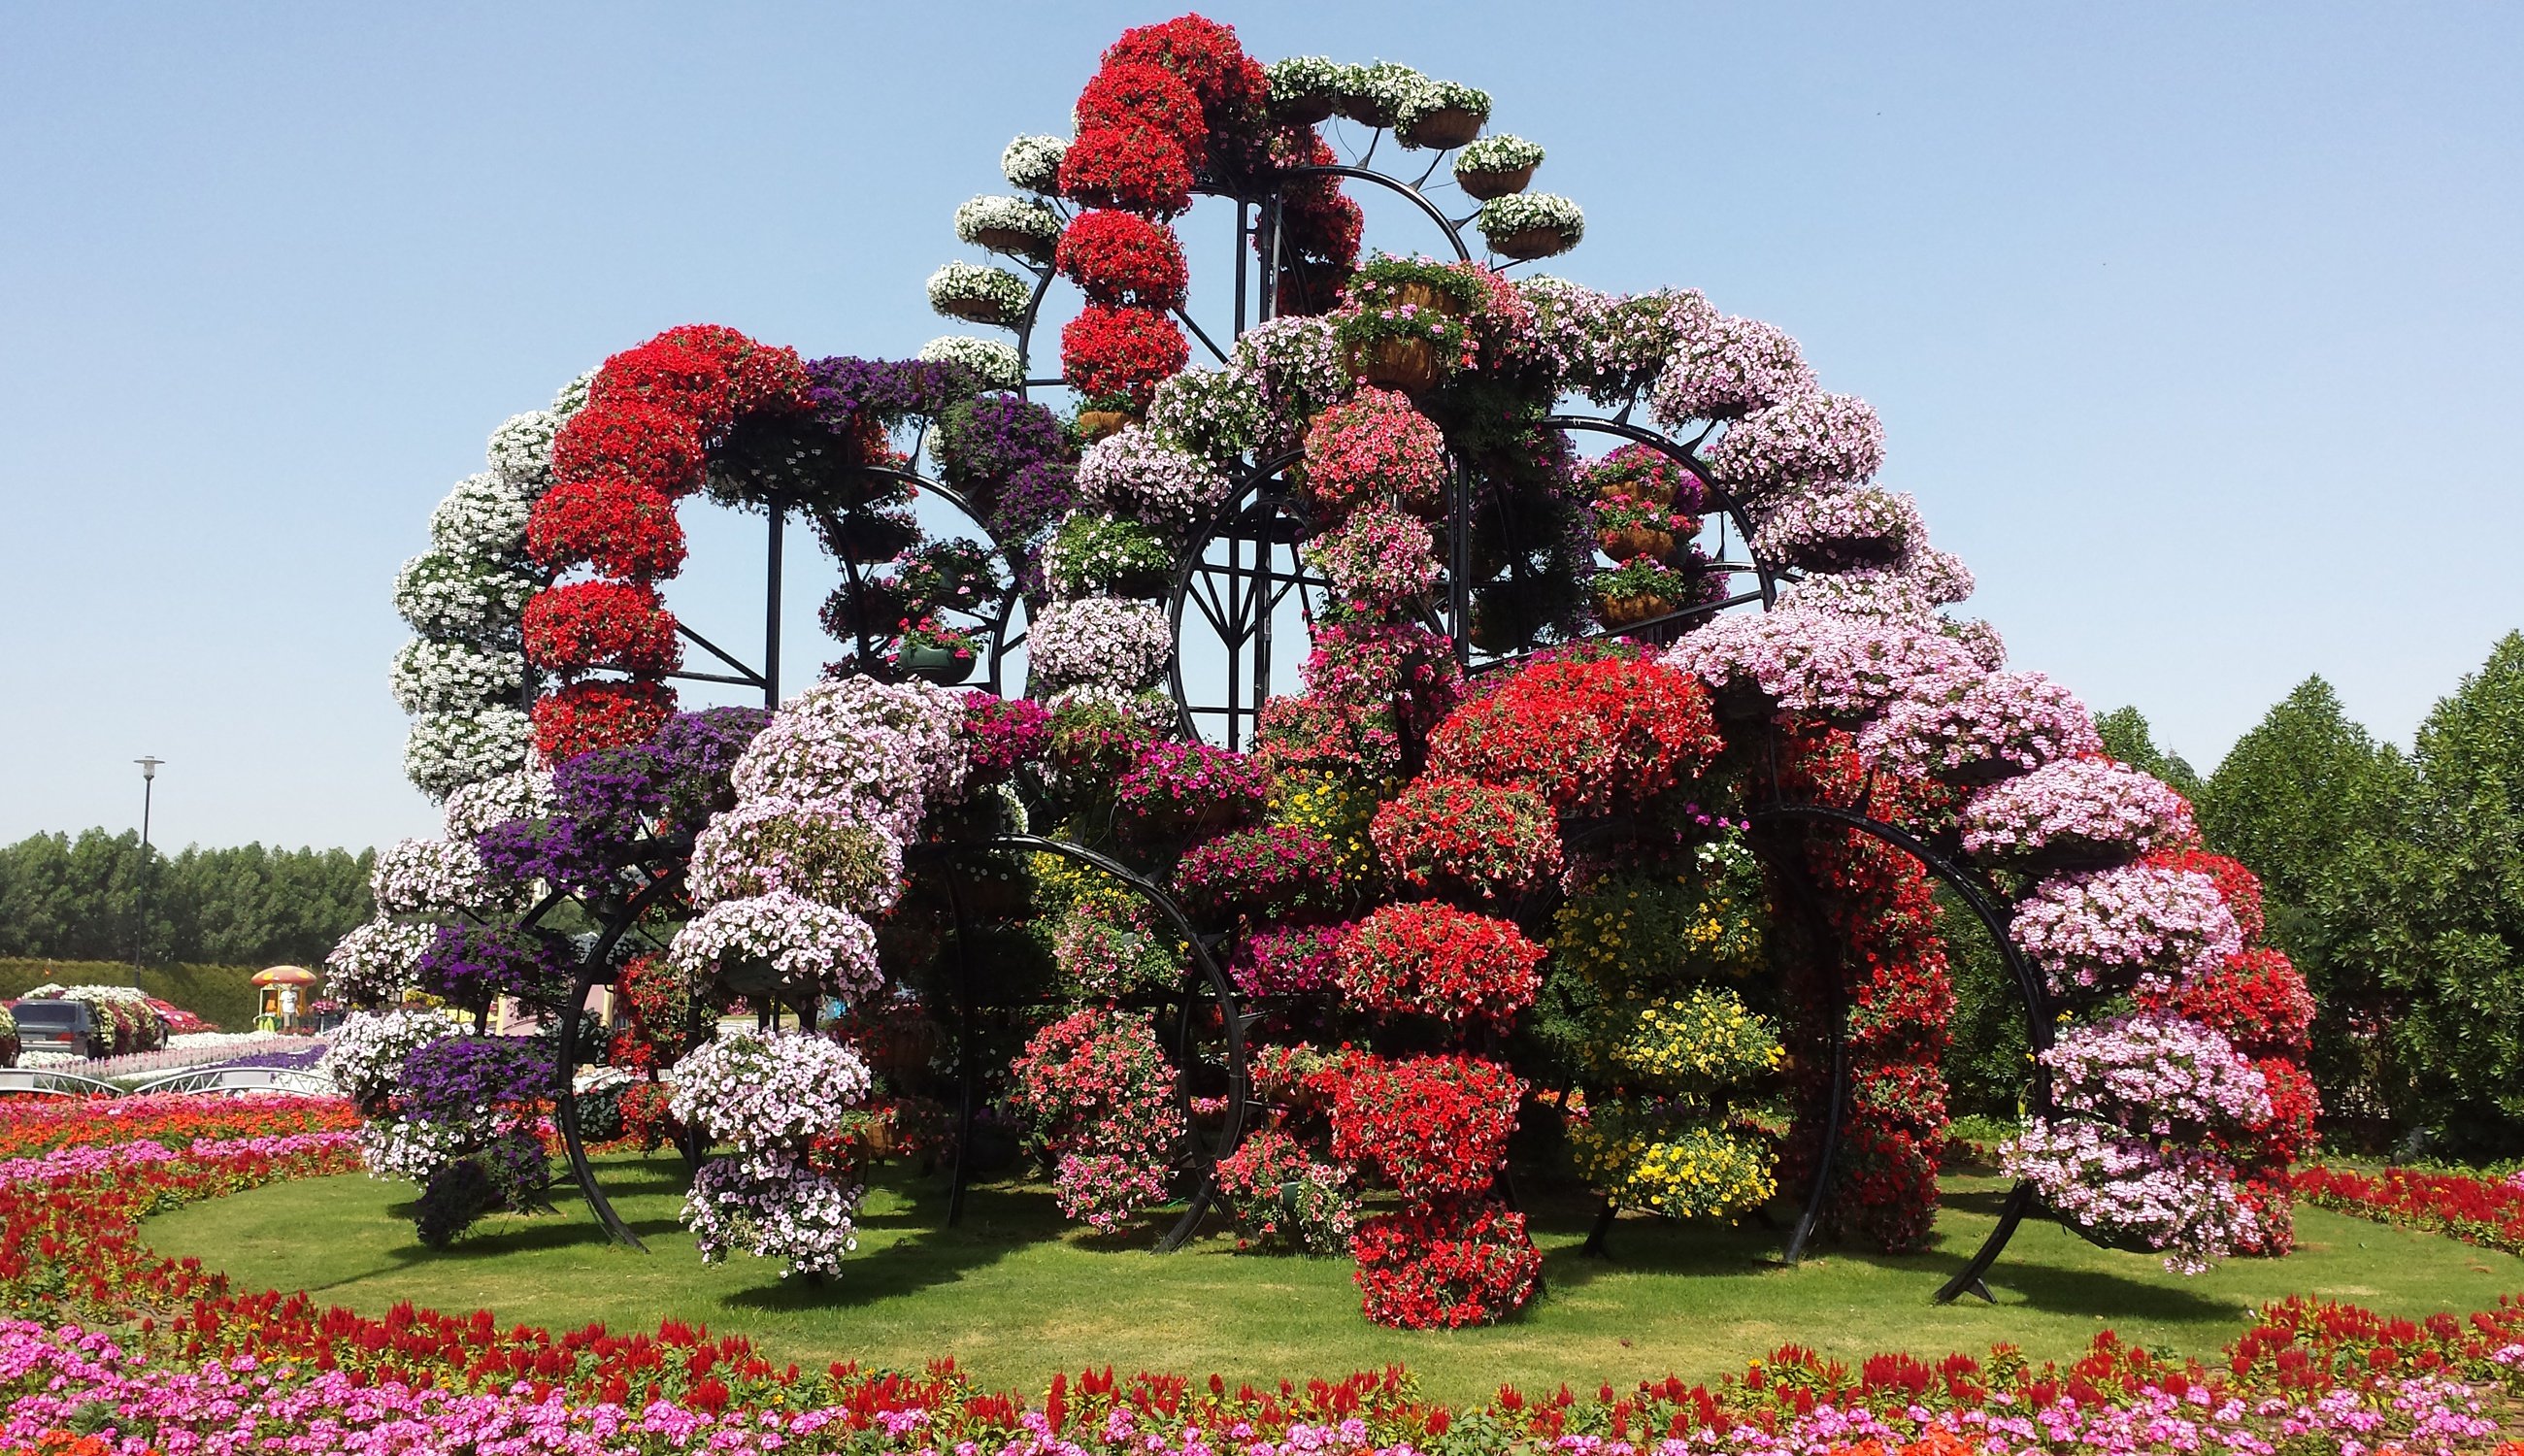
148, 786
771, 612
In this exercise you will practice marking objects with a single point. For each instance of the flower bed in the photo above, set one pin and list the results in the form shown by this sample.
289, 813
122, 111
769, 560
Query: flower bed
132, 1353
2476, 1209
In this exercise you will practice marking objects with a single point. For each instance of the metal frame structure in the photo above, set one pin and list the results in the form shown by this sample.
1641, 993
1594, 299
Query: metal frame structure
1237, 600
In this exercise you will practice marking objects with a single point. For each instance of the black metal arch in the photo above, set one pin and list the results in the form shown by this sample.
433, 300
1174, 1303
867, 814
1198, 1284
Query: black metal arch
2032, 991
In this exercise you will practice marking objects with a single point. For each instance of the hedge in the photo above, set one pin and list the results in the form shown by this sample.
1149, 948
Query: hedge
224, 996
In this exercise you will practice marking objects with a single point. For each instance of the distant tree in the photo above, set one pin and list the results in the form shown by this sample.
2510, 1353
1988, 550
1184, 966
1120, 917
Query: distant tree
65, 899
2427, 907
2126, 737
2292, 792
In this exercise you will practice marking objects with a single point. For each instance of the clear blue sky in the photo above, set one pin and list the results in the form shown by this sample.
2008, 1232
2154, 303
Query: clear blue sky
2196, 329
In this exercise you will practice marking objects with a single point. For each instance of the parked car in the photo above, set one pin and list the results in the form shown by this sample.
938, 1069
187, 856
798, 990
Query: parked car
73, 1027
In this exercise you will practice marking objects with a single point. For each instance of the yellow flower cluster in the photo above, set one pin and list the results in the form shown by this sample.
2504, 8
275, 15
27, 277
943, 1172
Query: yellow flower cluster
1064, 884
1704, 1041
1337, 812
1631, 929
1686, 1169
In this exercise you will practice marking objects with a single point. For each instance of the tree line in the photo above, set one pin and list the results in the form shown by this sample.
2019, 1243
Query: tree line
81, 899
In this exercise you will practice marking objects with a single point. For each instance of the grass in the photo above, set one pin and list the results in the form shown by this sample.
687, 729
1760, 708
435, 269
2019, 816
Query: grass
1015, 1294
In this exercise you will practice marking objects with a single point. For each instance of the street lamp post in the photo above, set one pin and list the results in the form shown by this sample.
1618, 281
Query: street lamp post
147, 785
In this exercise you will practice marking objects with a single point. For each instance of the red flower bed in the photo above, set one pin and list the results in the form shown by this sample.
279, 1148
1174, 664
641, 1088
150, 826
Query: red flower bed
588, 716
31, 1126
1121, 353
1451, 835
1445, 1267
585, 624
1122, 258
1435, 1127
1435, 960
1590, 735
2486, 1211
619, 527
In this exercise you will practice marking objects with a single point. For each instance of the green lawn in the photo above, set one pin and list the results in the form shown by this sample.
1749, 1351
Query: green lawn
1014, 1294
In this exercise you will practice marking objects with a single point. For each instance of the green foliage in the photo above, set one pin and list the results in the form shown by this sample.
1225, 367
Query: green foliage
2293, 792
81, 899
2424, 916
223, 994
1989, 1062
2126, 737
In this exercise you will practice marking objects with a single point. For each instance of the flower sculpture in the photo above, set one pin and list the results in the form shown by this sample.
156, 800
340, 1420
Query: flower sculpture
1451, 900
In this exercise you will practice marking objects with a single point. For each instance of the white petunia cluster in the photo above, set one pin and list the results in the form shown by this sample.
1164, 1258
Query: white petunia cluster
1033, 163
436, 877
486, 804
454, 677
1101, 642
446, 751
366, 1057
376, 962
995, 363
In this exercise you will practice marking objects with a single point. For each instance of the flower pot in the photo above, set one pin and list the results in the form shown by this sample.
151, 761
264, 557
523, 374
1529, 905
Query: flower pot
1148, 585
1623, 542
1481, 186
1427, 300
1624, 612
1848, 553
1531, 242
1303, 111
1095, 424
1442, 130
1016, 242
936, 663
977, 310
869, 537
1407, 364
1980, 773
2067, 854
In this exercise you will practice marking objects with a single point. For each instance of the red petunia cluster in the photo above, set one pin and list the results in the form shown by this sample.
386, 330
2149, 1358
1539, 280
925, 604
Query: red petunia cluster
1445, 1265
1449, 835
619, 465
1118, 257
1589, 735
582, 716
582, 625
1115, 353
1429, 959
1434, 1126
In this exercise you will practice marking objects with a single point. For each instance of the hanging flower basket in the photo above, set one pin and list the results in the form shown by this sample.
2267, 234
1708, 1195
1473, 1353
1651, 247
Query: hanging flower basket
1441, 130
1625, 611
1531, 225
1980, 773
1740, 699
1422, 296
873, 535
1095, 424
1407, 364
936, 662
1623, 542
1481, 186
1528, 243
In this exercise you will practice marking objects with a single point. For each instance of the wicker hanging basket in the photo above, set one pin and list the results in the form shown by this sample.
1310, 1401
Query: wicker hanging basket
1481, 186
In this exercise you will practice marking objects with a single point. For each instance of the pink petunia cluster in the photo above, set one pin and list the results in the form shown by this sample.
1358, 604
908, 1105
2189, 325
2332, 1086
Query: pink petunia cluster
2093, 810
1808, 439
1968, 723
2158, 1075
2102, 931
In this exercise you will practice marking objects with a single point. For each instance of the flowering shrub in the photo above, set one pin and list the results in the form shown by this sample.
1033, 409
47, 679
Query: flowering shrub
1836, 667
2076, 811
1107, 642
2125, 1188
2156, 1075
1376, 448
1433, 960
1589, 735
1398, 669
1096, 553
1000, 732
1445, 1267
2102, 931
581, 718
766, 1091
1451, 835
1431, 1126
472, 966
1970, 726
367, 1053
